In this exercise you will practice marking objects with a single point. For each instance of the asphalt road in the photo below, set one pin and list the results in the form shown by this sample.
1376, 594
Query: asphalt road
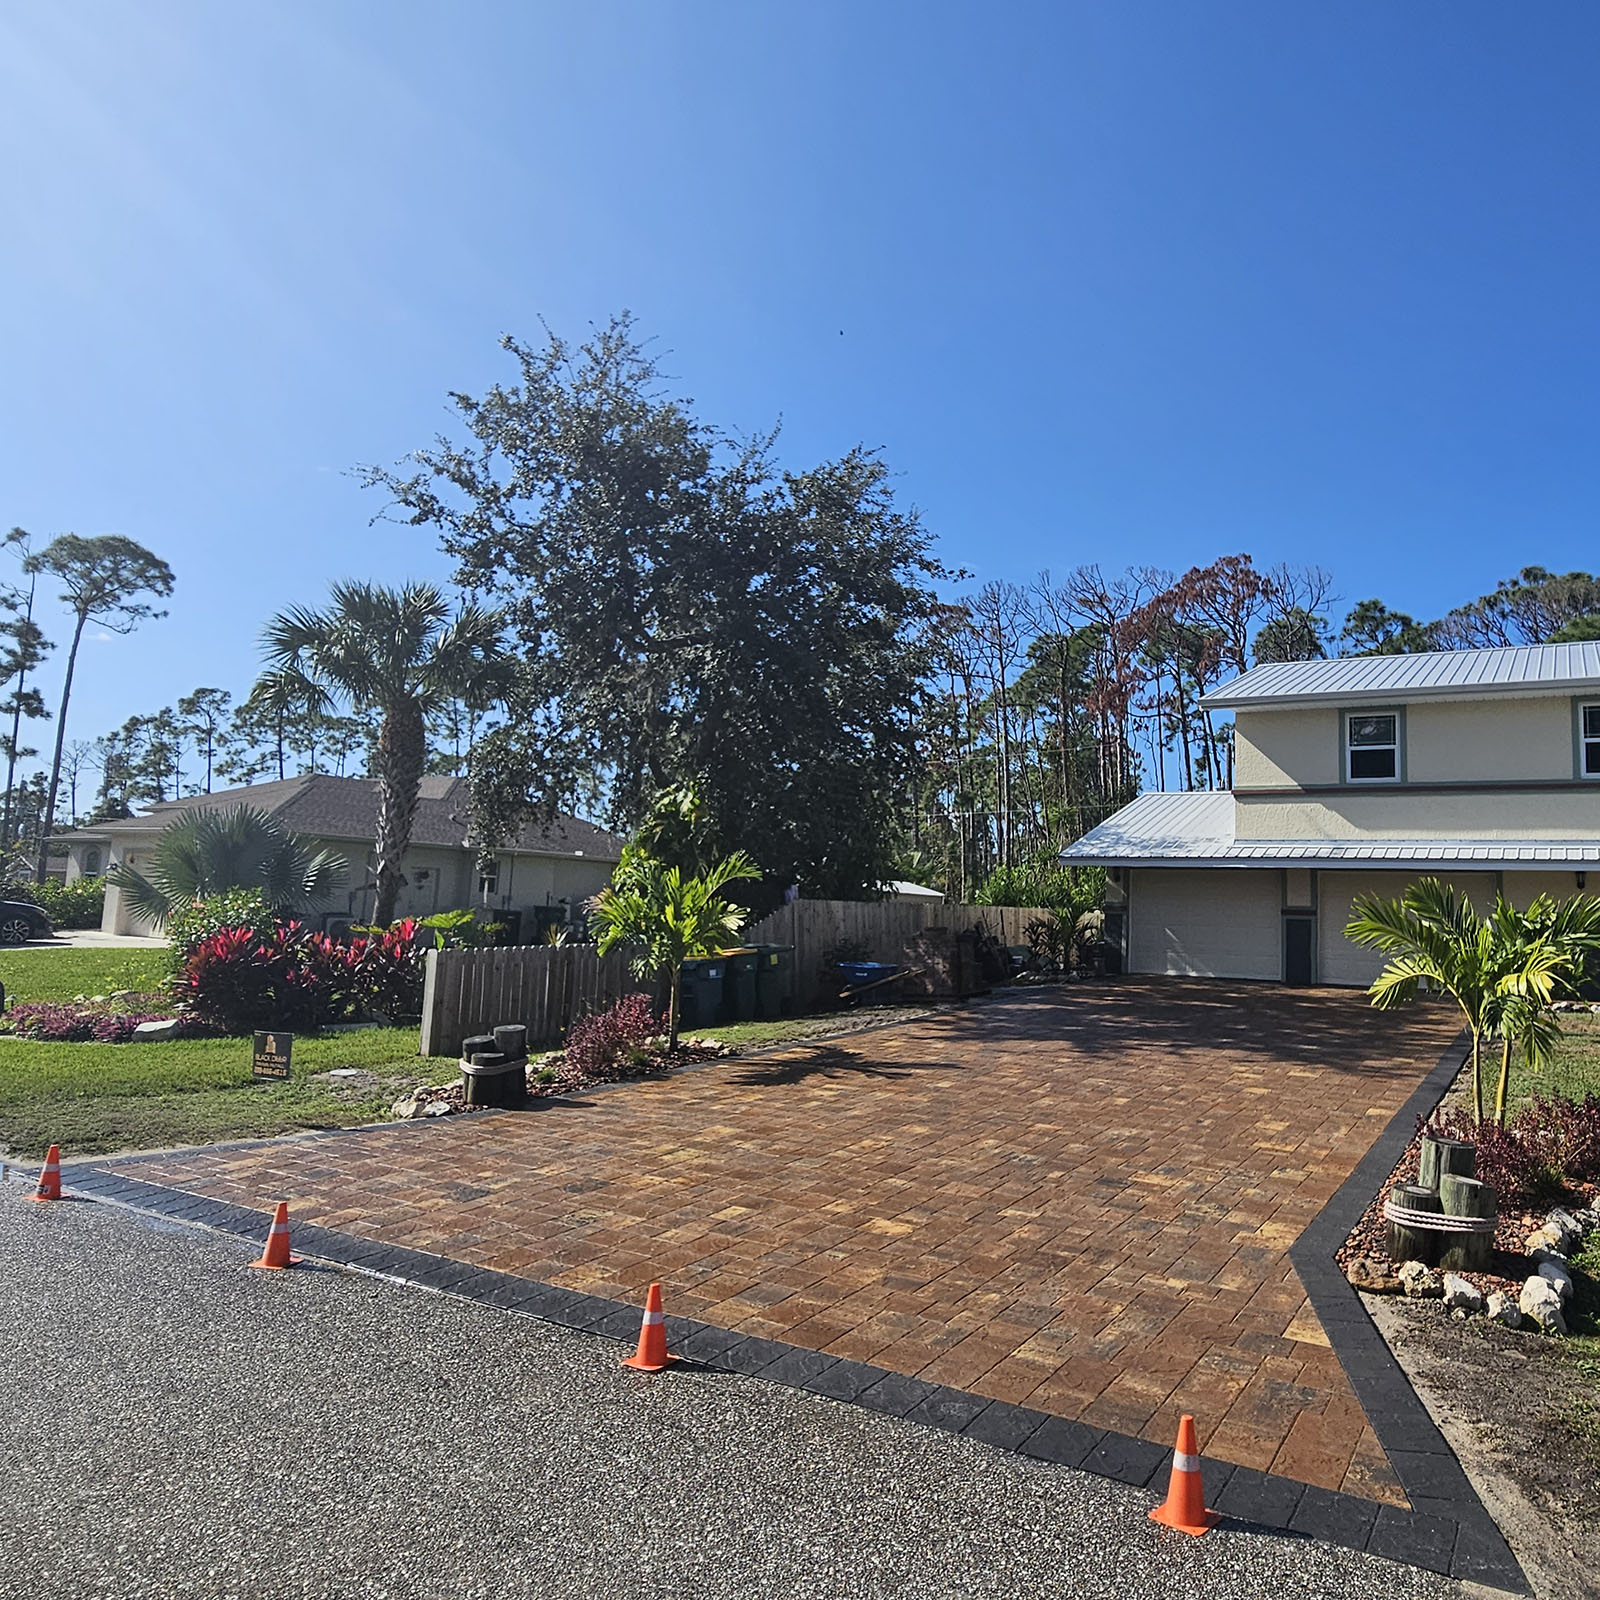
175, 1424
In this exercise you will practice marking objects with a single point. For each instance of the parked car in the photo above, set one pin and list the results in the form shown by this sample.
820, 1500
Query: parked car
20, 922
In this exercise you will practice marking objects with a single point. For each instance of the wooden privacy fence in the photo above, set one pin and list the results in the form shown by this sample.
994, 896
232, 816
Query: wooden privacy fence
879, 928
547, 987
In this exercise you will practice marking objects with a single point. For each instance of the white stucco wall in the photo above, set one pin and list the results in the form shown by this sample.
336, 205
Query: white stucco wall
1206, 923
1286, 749
1405, 813
1490, 741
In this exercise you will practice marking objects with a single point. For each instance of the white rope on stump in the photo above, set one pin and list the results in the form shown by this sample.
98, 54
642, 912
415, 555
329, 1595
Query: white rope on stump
1437, 1221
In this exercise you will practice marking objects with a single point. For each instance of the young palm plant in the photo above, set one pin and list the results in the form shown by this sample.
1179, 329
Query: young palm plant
1503, 971
396, 654
1431, 935
670, 916
205, 852
1559, 940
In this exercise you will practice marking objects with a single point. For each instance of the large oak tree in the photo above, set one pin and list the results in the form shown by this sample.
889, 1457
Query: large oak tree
686, 610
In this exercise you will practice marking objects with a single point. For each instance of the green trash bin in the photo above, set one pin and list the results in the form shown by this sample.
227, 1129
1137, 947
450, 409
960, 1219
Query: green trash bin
739, 986
773, 962
701, 992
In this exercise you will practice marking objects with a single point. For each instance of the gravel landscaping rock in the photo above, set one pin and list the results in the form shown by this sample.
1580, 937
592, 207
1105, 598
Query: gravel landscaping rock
1503, 1309
1541, 1301
1419, 1281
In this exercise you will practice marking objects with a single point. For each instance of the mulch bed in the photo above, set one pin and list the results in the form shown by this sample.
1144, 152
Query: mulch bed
1509, 1267
567, 1079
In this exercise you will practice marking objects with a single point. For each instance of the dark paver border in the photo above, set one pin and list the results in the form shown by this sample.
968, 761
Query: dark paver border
1447, 1530
1445, 1508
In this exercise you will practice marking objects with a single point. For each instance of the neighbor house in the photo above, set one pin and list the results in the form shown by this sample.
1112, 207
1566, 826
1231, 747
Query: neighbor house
1352, 777
541, 877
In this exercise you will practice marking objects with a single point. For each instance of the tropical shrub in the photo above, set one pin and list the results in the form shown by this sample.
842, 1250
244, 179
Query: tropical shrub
1045, 883
237, 979
605, 1044
386, 969
204, 853
79, 904
1544, 1147
289, 977
461, 930
1050, 942
201, 919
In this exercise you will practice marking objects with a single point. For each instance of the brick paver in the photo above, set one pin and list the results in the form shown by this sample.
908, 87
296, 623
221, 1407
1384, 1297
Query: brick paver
1082, 1201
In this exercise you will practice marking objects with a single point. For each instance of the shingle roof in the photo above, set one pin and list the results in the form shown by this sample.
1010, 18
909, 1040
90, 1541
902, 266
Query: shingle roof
1196, 830
347, 808
1433, 675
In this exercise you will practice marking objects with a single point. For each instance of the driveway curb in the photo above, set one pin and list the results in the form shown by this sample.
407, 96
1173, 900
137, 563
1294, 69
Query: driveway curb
1447, 1530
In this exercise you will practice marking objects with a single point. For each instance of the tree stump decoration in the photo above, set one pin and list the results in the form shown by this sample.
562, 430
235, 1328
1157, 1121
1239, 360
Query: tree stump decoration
1467, 1198
1440, 1154
1410, 1241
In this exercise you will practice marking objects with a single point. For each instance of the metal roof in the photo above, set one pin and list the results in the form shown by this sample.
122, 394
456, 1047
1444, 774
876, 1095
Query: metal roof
1196, 830
1431, 675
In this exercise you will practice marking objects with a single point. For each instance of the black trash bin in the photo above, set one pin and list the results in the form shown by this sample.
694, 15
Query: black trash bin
701, 992
773, 962
739, 986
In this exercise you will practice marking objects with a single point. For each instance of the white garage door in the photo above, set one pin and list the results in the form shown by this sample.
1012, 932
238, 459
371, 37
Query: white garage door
1218, 922
1339, 961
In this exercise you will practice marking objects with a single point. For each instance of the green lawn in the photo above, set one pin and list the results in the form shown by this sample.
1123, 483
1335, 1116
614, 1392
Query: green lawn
1573, 1073
95, 1098
67, 973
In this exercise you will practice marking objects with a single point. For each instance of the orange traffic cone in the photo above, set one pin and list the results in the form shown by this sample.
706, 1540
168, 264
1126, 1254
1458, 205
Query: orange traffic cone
1185, 1507
50, 1179
277, 1254
651, 1356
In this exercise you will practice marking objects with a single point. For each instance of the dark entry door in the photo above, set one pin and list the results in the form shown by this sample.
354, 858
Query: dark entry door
1299, 958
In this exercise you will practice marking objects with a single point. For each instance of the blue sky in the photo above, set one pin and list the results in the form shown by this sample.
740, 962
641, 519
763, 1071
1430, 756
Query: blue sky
1122, 282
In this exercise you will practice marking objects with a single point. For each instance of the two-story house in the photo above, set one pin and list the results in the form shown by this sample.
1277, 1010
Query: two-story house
1355, 776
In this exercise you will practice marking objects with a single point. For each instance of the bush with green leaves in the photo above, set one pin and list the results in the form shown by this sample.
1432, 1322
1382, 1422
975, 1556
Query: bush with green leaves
668, 917
191, 926
461, 930
1047, 885
79, 904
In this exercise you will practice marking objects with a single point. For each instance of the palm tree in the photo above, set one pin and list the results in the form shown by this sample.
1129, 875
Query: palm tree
205, 852
1558, 939
670, 915
397, 654
1503, 972
1432, 935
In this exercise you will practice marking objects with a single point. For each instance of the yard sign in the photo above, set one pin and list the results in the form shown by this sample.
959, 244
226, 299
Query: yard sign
271, 1057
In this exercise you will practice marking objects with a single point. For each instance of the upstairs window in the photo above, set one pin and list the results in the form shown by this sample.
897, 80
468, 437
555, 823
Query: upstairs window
1589, 740
1372, 747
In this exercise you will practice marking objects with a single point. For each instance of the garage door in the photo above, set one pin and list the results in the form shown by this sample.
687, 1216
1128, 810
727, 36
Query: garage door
1339, 961
1206, 923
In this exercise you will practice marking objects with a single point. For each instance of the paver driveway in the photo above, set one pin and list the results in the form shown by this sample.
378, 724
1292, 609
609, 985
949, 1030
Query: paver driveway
1080, 1200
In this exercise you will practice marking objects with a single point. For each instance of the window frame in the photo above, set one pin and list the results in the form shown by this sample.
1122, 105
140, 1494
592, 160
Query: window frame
1581, 739
1399, 745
